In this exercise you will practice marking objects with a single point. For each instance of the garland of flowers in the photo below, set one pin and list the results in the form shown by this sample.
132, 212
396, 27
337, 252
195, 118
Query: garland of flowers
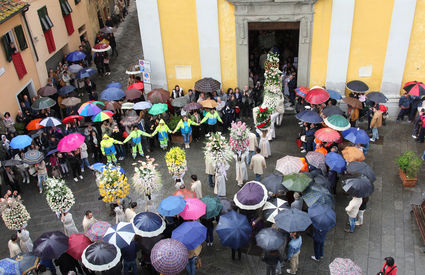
176, 162
59, 196
239, 137
272, 83
113, 185
217, 149
146, 178
13, 212
263, 118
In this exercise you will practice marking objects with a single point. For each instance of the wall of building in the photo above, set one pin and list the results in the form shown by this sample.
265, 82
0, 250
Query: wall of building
9, 82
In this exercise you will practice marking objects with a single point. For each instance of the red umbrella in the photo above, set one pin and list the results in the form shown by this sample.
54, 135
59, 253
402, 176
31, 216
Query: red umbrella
137, 85
158, 96
132, 93
76, 245
70, 119
415, 88
327, 135
185, 193
317, 96
34, 125
101, 47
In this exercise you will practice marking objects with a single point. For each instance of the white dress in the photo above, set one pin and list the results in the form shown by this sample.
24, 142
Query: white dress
273, 118
119, 214
25, 241
265, 144
220, 183
69, 225
241, 172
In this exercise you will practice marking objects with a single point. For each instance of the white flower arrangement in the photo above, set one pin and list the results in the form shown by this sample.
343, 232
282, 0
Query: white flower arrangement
217, 150
273, 82
13, 212
59, 196
146, 178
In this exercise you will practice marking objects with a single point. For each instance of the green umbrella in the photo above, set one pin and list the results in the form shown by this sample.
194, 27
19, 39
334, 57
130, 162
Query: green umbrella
158, 108
337, 122
296, 182
214, 207
43, 103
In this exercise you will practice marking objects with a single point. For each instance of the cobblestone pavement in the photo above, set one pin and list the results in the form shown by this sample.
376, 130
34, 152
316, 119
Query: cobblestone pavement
389, 228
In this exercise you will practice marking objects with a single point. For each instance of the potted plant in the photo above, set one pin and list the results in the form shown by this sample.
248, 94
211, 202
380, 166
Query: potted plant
408, 167
172, 122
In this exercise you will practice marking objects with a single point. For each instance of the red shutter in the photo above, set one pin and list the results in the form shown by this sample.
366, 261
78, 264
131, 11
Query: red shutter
48, 35
19, 65
68, 24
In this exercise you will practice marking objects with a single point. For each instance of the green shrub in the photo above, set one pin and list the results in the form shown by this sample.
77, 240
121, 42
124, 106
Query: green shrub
173, 121
409, 163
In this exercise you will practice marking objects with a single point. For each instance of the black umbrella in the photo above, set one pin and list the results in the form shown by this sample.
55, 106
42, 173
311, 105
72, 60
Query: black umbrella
147, 243
332, 110
11, 162
228, 205
357, 86
207, 85
359, 187
273, 183
101, 256
377, 97
50, 245
180, 102
357, 168
269, 239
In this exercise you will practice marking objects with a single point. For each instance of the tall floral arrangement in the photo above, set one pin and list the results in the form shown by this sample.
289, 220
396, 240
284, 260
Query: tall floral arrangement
13, 212
176, 162
146, 178
113, 185
217, 149
239, 137
263, 118
59, 196
272, 83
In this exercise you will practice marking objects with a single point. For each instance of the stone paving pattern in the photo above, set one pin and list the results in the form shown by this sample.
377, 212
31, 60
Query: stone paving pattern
389, 227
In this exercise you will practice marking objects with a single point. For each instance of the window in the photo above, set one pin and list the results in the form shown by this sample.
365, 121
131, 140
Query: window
6, 41
65, 7
21, 37
45, 21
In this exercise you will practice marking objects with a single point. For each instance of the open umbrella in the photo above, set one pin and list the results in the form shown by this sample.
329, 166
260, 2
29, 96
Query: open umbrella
214, 207
317, 194
112, 94
309, 116
101, 47
43, 103
50, 122
269, 239
107, 29
207, 85
228, 205
114, 85
100, 167
75, 56
302, 91
89, 109
129, 120
359, 187
317, 96
169, 257
97, 231
377, 97
185, 193
11, 162
273, 207
101, 116
322, 216
353, 102
9, 266
50, 245
133, 69
180, 102
233, 229
71, 101
171, 206
357, 168
120, 234
127, 106
112, 106
335, 162
75, 68
289, 165
33, 157
34, 125
131, 94
209, 103
332, 110
70, 119
356, 136
158, 108
148, 224
158, 96
342, 266
194, 209
192, 106
101, 256
251, 196
337, 122
20, 142
415, 88
47, 91
76, 245
70, 142
357, 86
327, 135
334, 94
87, 72
147, 243
296, 182
27, 263
273, 183
191, 234
142, 105
293, 220
316, 159
351, 153
137, 86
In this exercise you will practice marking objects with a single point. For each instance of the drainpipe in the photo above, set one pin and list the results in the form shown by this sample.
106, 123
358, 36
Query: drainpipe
29, 32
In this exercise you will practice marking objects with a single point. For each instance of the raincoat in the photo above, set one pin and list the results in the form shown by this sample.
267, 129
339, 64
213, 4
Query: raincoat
211, 118
108, 148
136, 138
162, 130
185, 126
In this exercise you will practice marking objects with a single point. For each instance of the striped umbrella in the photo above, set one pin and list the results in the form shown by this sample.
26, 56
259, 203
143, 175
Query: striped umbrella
207, 85
50, 122
89, 109
148, 224
273, 207
415, 88
120, 234
194, 209
185, 193
169, 257
342, 266
101, 116
289, 165
33, 157
97, 231
101, 256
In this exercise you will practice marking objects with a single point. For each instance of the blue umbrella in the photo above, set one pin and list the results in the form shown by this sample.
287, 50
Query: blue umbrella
86, 73
50, 122
66, 90
334, 94
148, 224
20, 142
335, 162
171, 206
9, 267
322, 216
33, 157
191, 234
273, 183
120, 234
356, 136
111, 94
292, 220
100, 167
309, 116
234, 230
75, 56
52, 152
114, 85
269, 239
317, 194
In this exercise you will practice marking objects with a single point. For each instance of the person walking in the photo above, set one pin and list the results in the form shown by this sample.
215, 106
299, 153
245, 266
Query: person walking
258, 164
375, 123
241, 172
220, 181
84, 157
319, 237
196, 186
352, 210
113, 44
88, 221
209, 224
25, 240
294, 249
272, 258
185, 128
75, 164
362, 209
253, 143
265, 136
210, 171
131, 211
404, 105
41, 174
389, 267
129, 255
68, 224
119, 214
13, 246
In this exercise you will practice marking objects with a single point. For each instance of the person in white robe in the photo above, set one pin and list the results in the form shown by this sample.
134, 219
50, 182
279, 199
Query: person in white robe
25, 240
241, 172
68, 224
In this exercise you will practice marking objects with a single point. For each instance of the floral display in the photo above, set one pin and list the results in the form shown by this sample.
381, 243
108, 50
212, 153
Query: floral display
239, 137
176, 162
272, 83
13, 212
217, 149
146, 178
59, 196
113, 185
263, 118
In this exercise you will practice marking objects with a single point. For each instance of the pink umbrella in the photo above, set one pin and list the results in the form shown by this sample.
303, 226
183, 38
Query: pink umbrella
70, 143
194, 209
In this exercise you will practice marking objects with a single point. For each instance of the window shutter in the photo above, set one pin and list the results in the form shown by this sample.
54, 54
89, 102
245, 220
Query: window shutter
45, 21
21, 37
65, 7
18, 62
68, 24
6, 46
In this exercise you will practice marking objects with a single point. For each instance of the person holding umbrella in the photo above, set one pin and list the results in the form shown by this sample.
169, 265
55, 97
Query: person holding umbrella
184, 126
162, 130
272, 259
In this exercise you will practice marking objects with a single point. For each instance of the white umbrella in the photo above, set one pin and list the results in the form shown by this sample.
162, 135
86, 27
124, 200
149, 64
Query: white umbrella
273, 207
120, 234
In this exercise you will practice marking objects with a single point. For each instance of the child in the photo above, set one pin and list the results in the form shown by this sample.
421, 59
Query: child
265, 144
